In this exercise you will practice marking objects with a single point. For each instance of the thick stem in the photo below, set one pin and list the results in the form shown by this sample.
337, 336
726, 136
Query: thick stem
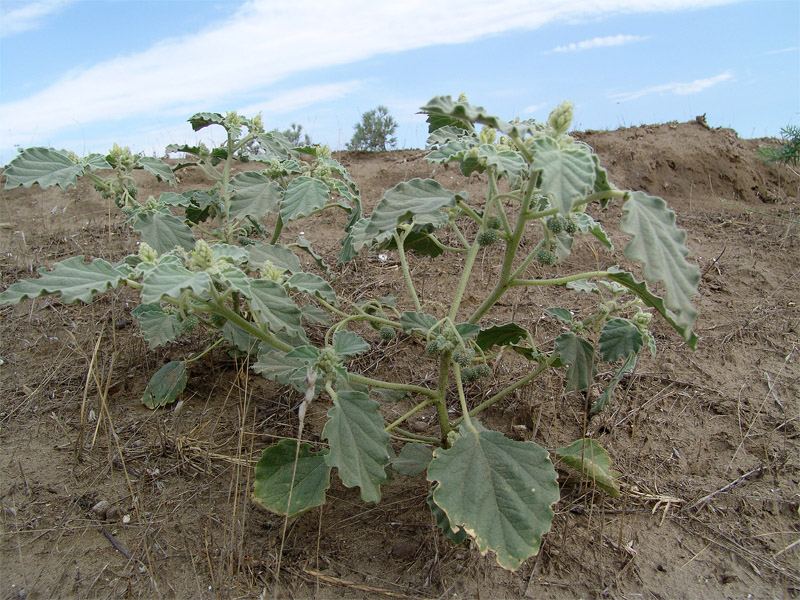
558, 280
462, 399
401, 253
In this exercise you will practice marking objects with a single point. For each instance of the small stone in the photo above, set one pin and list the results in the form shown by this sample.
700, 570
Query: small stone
101, 508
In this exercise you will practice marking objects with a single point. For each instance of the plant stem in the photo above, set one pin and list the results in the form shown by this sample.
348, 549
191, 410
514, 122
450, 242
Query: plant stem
440, 397
558, 280
462, 399
401, 253
388, 385
409, 414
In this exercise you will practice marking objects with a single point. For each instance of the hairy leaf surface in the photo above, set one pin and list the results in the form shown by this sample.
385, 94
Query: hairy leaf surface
165, 386
417, 199
45, 166
158, 168
303, 196
158, 327
578, 355
279, 255
254, 195
273, 307
567, 174
500, 335
618, 339
591, 459
314, 285
455, 535
347, 344
164, 231
413, 459
169, 280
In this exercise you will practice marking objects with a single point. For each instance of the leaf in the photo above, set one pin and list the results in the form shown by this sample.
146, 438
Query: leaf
660, 246
314, 285
273, 479
279, 255
169, 280
456, 535
419, 242
72, 278
412, 321
96, 162
451, 150
618, 339
275, 366
605, 397
413, 459
239, 338
417, 199
499, 490
578, 355
236, 278
165, 385
273, 307
303, 196
305, 245
591, 459
358, 443
468, 331
163, 231
445, 134
442, 110
204, 119
586, 224
236, 255
347, 344
45, 166
642, 291
562, 314
158, 327
314, 315
507, 162
158, 168
500, 335
254, 195
390, 395
567, 173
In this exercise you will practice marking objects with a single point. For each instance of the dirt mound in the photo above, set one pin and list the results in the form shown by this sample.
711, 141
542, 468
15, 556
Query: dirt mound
100, 497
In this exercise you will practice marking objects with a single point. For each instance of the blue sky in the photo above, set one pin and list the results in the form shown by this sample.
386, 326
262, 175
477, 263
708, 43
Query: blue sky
83, 74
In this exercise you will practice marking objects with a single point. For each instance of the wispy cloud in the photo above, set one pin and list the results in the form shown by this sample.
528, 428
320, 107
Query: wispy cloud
678, 88
781, 51
601, 42
20, 16
529, 110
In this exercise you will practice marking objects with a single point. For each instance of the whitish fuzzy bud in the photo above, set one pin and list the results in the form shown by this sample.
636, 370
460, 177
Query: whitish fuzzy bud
202, 256
256, 124
462, 97
323, 151
271, 272
147, 253
488, 135
561, 117
151, 203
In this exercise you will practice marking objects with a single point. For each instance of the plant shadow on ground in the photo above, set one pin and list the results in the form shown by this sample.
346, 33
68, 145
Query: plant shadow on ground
707, 443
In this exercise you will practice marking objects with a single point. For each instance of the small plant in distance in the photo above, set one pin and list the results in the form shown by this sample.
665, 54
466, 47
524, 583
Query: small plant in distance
225, 265
375, 131
787, 153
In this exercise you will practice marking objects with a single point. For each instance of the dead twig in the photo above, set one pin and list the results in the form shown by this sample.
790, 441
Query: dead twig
725, 488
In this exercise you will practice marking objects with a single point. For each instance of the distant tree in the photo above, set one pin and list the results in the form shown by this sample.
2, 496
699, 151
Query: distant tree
375, 131
789, 152
295, 133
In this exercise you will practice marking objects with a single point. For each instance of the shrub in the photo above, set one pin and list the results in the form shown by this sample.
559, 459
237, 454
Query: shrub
375, 131
789, 152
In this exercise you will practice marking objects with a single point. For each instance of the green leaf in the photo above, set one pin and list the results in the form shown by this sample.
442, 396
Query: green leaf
158, 327
578, 355
163, 231
499, 490
500, 335
165, 385
275, 366
279, 255
239, 338
586, 224
72, 278
169, 280
507, 162
236, 255
591, 459
273, 479
158, 168
456, 535
347, 344
419, 242
358, 443
417, 199
412, 321
96, 162
562, 314
413, 459
445, 111
618, 339
204, 119
660, 246
567, 173
605, 397
236, 278
445, 134
314, 285
314, 315
274, 308
468, 331
303, 196
642, 291
305, 245
254, 195
390, 395
45, 166
451, 151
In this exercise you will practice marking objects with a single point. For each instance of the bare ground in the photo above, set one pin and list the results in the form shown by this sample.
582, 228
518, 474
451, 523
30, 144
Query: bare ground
707, 442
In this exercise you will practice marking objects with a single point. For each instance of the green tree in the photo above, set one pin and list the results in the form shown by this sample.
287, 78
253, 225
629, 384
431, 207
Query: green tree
296, 135
375, 131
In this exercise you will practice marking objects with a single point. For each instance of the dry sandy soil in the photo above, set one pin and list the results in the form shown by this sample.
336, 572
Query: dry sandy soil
706, 442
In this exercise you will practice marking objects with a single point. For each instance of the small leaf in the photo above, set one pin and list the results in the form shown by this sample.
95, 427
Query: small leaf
163, 231
274, 308
254, 195
562, 314
314, 315
419, 322
204, 119
45, 166
586, 224
275, 366
314, 285
605, 398
567, 174
158, 327
591, 459
618, 339
165, 385
500, 335
239, 338
303, 196
413, 459
305, 245
279, 255
468, 331
158, 168
347, 344
169, 280
273, 479
578, 355
456, 535
442, 110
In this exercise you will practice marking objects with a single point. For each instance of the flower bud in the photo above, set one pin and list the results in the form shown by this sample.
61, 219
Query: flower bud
561, 117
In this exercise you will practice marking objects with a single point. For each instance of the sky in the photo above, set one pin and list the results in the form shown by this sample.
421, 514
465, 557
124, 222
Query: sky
85, 74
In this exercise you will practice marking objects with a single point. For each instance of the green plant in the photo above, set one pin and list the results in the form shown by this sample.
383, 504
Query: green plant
224, 265
375, 131
787, 153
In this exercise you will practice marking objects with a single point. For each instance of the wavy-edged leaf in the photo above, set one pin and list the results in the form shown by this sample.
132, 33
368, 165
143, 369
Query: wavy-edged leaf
358, 443
586, 224
305, 246
314, 285
314, 315
347, 344
642, 291
236, 278
455, 535
562, 314
273, 479
239, 338
44, 166
72, 278
96, 162
413, 459
254, 196
578, 355
169, 280
591, 459
165, 386
204, 119
501, 335
451, 150
163, 231
445, 134
567, 173
660, 246
605, 398
412, 321
303, 196
443, 110
279, 255
158, 169
499, 490
157, 327
507, 162
417, 199
618, 339
275, 366
274, 308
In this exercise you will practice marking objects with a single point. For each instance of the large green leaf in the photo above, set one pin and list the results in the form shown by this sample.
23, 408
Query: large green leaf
507, 162
276, 366
303, 196
501, 335
165, 385
204, 119
618, 339
455, 535
273, 479
169, 280
274, 308
499, 490
417, 199
591, 459
72, 278
158, 168
660, 246
358, 443
163, 231
254, 195
279, 255
419, 322
314, 285
567, 173
158, 327
413, 459
45, 166
578, 355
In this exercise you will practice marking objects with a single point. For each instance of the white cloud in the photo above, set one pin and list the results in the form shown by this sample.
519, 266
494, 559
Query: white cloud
529, 110
20, 16
678, 88
600, 42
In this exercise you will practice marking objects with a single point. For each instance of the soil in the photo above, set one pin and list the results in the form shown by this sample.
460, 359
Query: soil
101, 497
